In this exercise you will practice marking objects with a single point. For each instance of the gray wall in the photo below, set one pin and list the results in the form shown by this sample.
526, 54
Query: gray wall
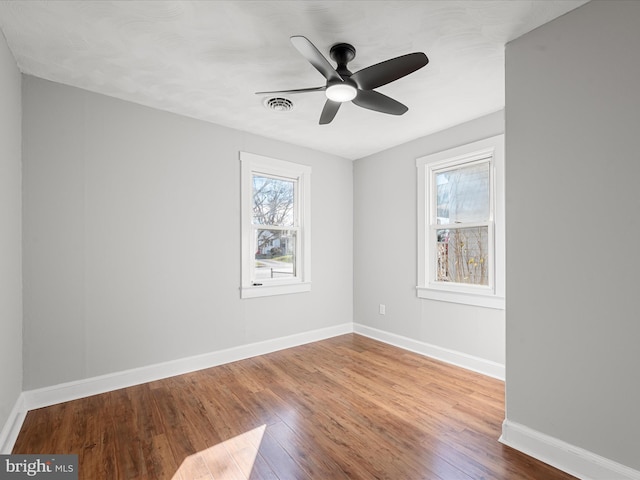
132, 238
10, 233
385, 255
573, 165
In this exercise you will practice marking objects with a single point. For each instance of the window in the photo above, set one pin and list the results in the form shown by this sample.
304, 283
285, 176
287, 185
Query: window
275, 226
461, 224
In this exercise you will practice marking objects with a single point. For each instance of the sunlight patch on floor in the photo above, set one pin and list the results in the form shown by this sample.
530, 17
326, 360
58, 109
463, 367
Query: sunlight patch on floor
232, 459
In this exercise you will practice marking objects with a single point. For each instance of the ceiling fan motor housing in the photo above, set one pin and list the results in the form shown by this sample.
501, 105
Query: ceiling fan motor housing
343, 53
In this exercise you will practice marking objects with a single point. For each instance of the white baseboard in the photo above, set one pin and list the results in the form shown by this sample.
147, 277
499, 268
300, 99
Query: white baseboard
574, 460
65, 392
470, 362
12, 426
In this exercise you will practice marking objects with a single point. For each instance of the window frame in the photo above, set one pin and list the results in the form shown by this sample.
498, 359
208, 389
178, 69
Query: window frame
254, 164
489, 150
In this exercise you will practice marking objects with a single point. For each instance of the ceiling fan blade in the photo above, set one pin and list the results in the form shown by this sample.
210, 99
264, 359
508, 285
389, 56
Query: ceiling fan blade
380, 103
299, 90
385, 72
329, 111
313, 55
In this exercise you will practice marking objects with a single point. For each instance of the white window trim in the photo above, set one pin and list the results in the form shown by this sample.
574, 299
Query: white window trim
492, 296
250, 164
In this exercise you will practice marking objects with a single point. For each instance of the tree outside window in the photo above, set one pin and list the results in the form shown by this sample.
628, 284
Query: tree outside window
462, 199
274, 213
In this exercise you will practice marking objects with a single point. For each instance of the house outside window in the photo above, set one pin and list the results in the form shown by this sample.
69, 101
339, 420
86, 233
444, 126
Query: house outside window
461, 224
276, 226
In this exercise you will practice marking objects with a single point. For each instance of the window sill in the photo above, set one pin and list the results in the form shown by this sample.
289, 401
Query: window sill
255, 291
479, 300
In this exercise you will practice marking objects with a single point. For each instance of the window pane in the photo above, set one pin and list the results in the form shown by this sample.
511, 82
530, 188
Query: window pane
273, 201
463, 194
275, 254
462, 255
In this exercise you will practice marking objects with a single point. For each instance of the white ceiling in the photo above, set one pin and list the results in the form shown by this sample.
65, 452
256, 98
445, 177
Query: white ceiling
205, 59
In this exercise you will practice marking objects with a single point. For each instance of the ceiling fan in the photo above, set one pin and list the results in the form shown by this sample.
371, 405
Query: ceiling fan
343, 86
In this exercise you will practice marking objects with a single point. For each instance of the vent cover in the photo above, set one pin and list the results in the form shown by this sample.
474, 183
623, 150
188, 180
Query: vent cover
278, 104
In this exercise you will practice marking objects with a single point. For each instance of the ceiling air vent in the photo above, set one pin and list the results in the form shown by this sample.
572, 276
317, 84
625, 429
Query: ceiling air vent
278, 104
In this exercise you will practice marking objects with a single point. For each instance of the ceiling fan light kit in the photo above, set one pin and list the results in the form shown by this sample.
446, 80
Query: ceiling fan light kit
341, 92
344, 86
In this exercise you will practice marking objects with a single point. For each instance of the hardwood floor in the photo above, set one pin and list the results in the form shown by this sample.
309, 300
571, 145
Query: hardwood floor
347, 407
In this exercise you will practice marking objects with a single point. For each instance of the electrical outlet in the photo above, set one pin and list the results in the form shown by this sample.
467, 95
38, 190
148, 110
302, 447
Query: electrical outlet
382, 309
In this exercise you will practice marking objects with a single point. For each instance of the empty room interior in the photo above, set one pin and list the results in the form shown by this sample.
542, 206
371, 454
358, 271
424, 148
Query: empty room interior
320, 239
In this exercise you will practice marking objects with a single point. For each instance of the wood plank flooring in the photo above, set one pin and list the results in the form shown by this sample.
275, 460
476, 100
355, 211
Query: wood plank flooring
344, 408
